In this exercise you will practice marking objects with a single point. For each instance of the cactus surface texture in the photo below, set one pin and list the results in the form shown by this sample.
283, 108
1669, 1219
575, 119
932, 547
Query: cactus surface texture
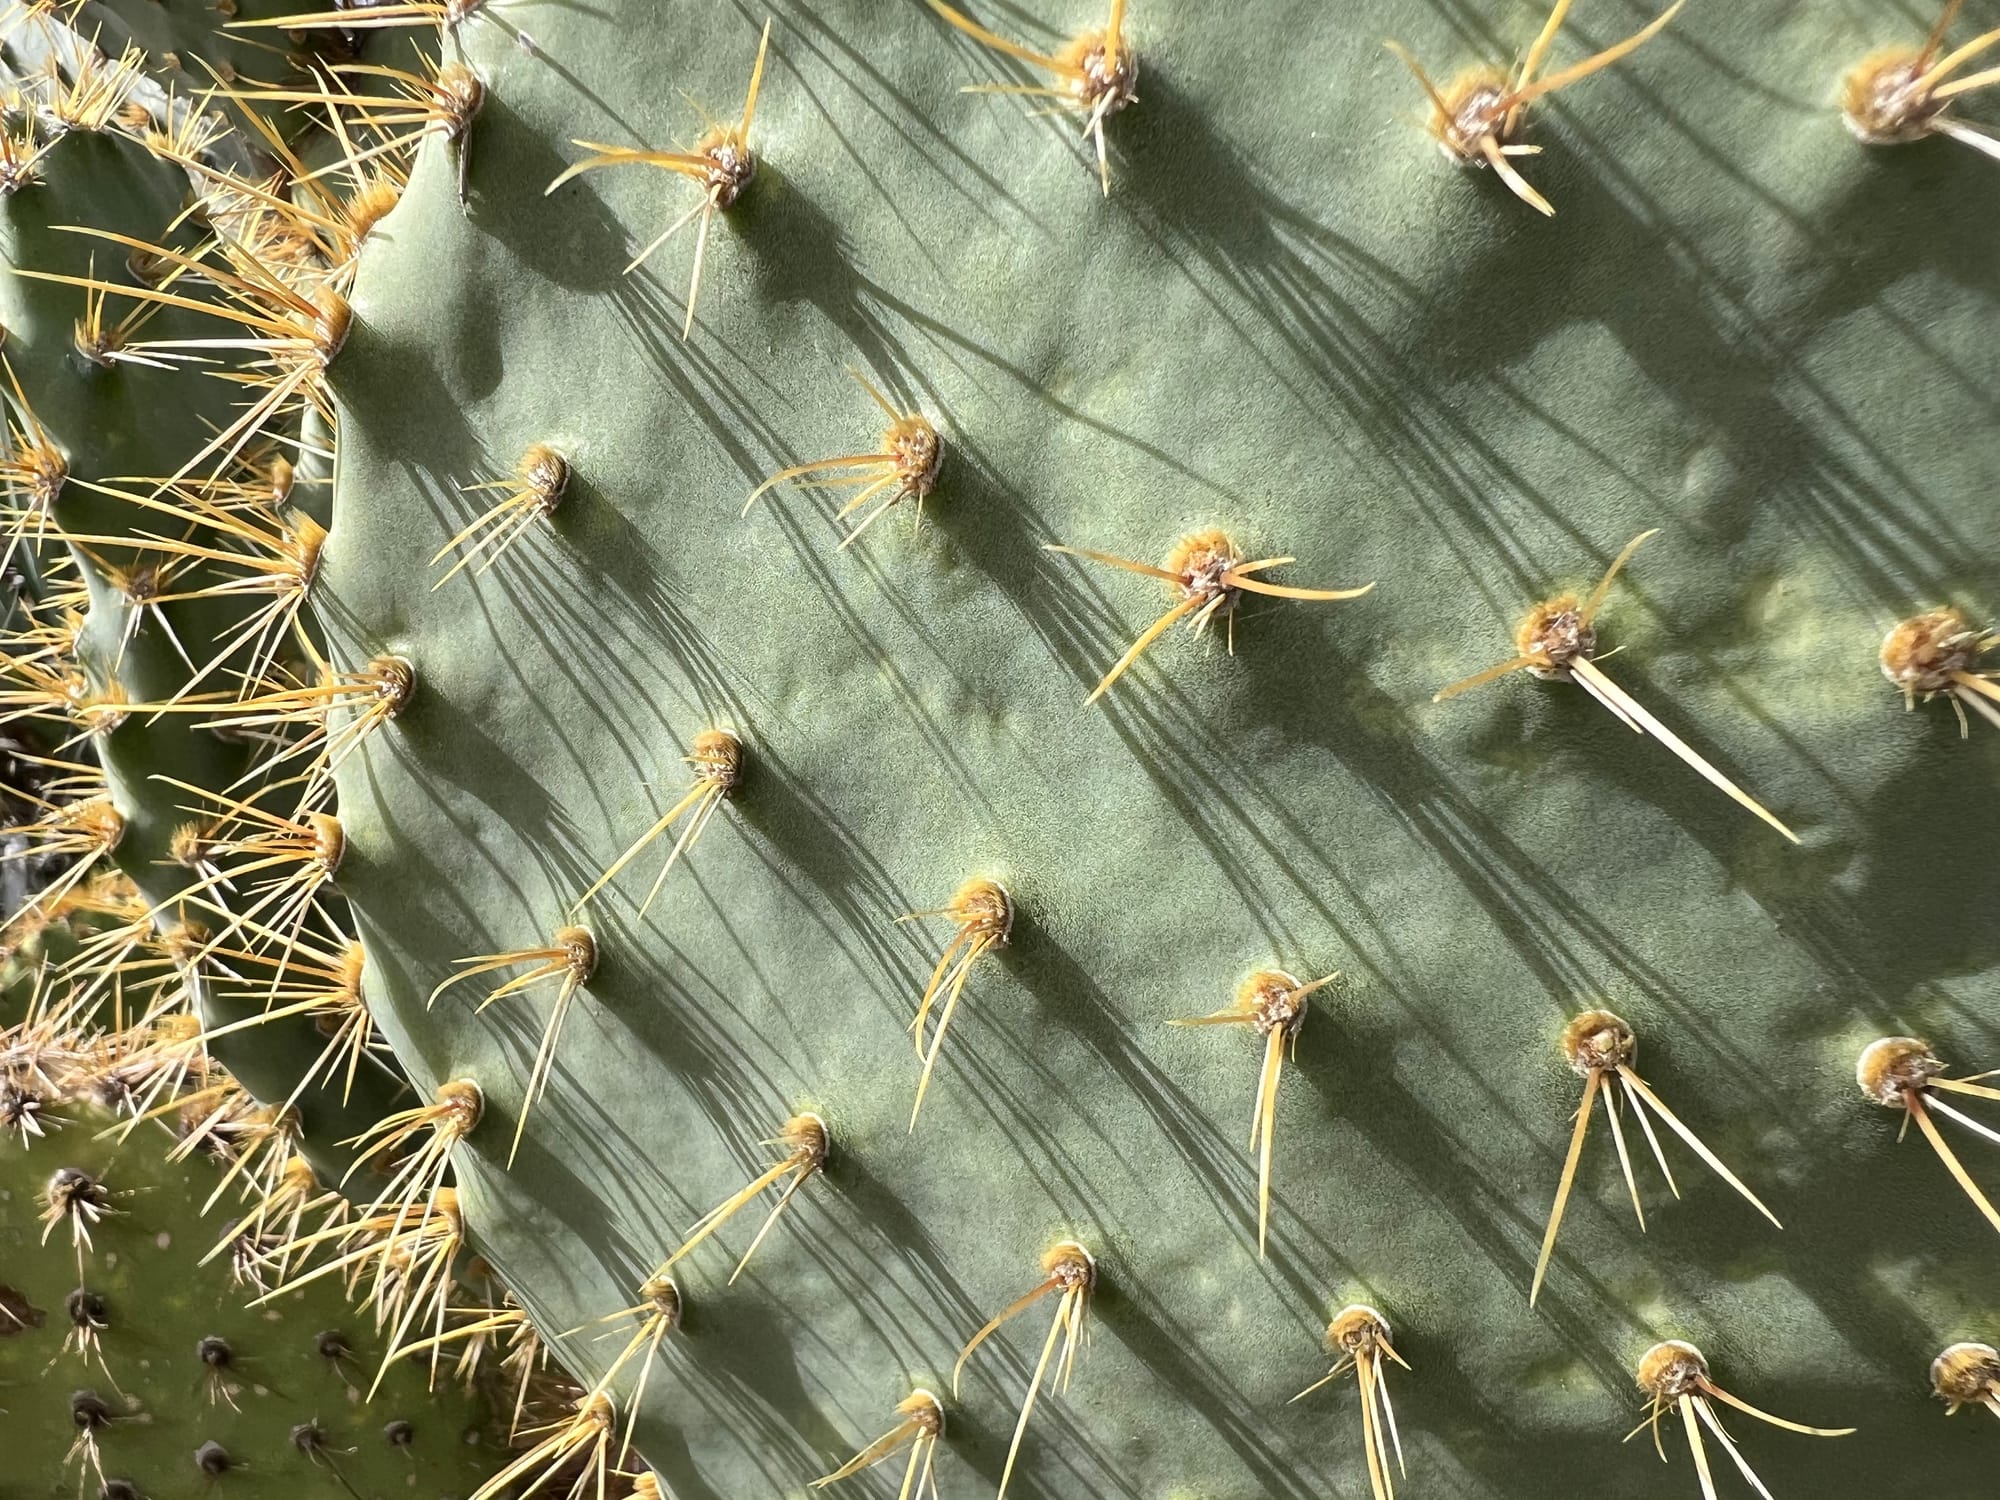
179, 1360
1166, 432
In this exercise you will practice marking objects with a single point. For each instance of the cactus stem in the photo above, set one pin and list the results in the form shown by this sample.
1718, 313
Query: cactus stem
530, 494
1273, 1003
921, 1428
722, 165
1475, 119
293, 334
907, 467
1207, 569
1360, 1336
807, 1144
1600, 1047
984, 913
1070, 1271
717, 756
1675, 1376
1098, 73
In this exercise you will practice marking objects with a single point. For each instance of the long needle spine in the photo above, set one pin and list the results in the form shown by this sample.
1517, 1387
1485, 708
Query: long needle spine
807, 1144
722, 164
1069, 1273
1477, 118
1096, 74
984, 914
1602, 1049
717, 758
1557, 641
1273, 1004
1360, 1336
1901, 1072
1674, 1375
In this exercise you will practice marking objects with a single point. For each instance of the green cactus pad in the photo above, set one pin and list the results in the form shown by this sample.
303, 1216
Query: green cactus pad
124, 428
1289, 318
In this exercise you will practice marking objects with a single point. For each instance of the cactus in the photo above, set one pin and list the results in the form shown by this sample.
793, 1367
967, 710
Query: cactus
635, 803
176, 588
118, 1366
190, 45
180, 1360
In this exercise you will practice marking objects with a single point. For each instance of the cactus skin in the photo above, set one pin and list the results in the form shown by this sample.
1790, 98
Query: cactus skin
116, 425
188, 44
159, 1305
1717, 334
128, 426
1290, 319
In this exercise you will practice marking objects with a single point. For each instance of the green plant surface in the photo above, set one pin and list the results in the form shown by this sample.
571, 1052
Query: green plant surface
158, 1305
184, 40
1292, 319
125, 429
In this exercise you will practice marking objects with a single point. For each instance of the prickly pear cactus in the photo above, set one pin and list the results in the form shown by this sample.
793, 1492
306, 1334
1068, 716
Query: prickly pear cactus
138, 1363
184, 573
1383, 554
171, 928
1292, 318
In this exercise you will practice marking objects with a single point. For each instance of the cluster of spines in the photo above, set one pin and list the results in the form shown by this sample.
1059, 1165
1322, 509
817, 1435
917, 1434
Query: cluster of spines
295, 327
66, 1064
233, 922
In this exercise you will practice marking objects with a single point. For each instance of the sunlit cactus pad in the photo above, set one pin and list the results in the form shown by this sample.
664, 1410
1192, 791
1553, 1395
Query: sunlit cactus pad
1293, 319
